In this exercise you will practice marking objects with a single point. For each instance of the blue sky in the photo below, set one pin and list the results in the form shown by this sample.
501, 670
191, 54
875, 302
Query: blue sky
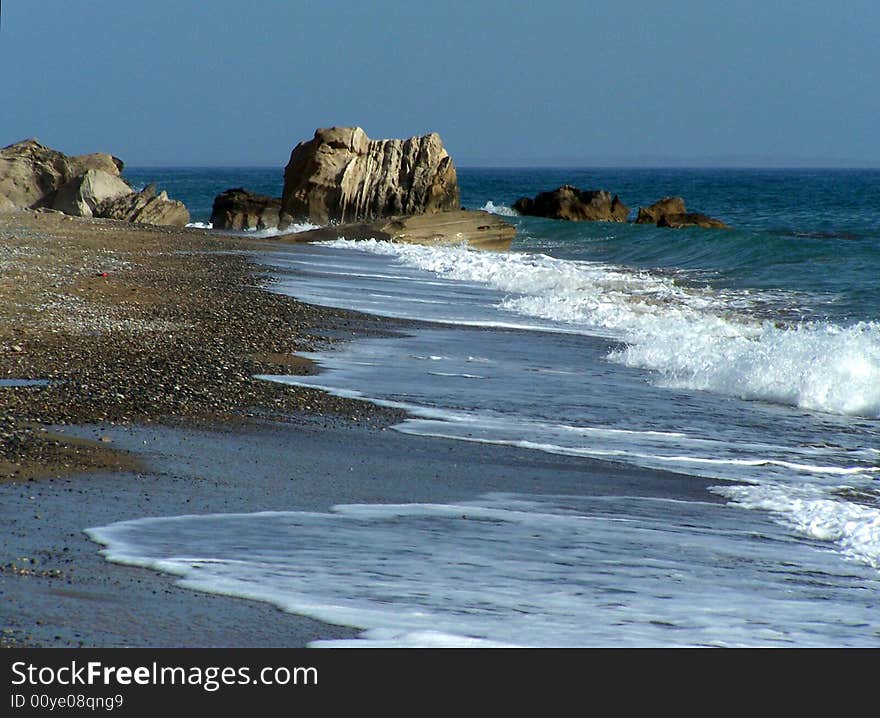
631, 82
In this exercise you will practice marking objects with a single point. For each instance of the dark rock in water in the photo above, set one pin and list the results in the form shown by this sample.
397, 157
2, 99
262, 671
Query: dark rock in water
31, 173
240, 209
574, 204
691, 219
145, 207
671, 212
342, 175
816, 235
476, 228
661, 208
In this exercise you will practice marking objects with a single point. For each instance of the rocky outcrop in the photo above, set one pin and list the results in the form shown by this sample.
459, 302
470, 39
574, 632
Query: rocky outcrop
145, 207
474, 228
31, 173
240, 209
574, 204
671, 212
691, 219
660, 208
81, 196
34, 176
341, 175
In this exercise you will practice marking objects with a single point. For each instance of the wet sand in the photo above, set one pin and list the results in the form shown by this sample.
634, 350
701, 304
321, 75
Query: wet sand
73, 597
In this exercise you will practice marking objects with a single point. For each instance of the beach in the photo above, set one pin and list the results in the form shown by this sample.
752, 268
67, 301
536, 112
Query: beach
455, 448
130, 325
109, 440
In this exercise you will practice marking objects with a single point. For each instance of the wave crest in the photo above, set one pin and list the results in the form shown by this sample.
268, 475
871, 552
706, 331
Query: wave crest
691, 337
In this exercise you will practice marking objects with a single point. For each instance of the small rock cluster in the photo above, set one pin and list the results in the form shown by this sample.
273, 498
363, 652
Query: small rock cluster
577, 205
671, 212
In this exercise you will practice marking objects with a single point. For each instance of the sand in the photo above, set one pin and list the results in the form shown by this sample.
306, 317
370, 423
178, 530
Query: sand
138, 324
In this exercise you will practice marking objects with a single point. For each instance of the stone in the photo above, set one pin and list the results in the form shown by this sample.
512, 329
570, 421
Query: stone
82, 195
474, 228
6, 205
239, 209
31, 173
145, 207
80, 164
341, 175
570, 203
691, 219
660, 208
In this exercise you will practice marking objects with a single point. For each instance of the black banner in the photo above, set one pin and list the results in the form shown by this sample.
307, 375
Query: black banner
121, 680
129, 681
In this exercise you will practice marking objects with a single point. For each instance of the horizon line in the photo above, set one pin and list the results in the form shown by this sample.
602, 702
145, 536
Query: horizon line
507, 166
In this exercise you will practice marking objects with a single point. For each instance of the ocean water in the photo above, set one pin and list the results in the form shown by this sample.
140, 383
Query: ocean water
750, 357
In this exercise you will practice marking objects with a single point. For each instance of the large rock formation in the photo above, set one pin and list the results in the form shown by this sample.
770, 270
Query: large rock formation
37, 177
31, 173
82, 195
574, 204
474, 228
145, 207
240, 209
342, 175
660, 208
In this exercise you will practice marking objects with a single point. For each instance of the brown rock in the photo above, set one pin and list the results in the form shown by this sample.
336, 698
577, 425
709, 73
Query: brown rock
82, 195
31, 173
574, 204
80, 164
240, 209
475, 228
691, 219
667, 205
342, 175
145, 207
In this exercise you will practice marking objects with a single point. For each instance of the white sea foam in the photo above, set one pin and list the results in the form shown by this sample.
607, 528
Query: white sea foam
726, 468
518, 570
819, 367
294, 228
261, 233
499, 209
817, 513
692, 338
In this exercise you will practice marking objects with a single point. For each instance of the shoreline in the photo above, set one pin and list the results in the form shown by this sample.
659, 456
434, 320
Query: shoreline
130, 323
97, 308
67, 594
292, 448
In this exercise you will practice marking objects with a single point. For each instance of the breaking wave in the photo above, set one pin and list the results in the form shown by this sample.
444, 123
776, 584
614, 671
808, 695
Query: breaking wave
692, 338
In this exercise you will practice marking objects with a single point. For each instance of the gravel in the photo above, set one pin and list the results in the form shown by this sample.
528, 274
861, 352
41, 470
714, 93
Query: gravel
132, 324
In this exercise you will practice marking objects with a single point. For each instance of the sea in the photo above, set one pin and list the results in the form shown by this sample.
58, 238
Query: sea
747, 357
